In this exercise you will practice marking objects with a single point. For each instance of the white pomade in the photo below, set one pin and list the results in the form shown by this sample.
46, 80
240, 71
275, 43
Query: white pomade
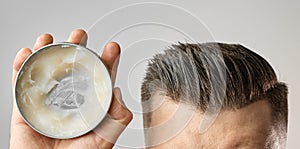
63, 90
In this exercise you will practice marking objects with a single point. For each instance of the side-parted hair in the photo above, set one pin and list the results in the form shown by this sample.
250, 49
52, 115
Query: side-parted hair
248, 78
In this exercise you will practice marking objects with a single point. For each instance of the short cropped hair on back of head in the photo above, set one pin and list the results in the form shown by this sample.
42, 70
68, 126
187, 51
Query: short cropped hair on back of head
248, 76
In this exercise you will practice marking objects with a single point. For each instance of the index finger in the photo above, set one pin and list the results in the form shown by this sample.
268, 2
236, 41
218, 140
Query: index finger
110, 57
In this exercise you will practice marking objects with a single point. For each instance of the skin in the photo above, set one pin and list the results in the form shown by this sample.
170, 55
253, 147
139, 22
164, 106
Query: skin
244, 128
23, 136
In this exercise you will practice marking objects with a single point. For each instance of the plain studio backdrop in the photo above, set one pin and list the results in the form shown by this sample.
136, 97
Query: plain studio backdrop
270, 28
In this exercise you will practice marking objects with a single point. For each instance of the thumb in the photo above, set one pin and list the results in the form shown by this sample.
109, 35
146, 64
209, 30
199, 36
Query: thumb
114, 123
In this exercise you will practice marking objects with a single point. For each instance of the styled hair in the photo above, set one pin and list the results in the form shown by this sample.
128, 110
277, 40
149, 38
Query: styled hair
226, 75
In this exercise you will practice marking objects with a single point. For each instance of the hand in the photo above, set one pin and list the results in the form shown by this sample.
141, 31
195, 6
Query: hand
23, 136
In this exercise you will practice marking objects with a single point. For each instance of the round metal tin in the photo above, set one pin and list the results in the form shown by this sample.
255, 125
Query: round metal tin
62, 45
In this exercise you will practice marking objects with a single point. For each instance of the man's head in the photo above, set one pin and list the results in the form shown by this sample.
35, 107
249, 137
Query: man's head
227, 79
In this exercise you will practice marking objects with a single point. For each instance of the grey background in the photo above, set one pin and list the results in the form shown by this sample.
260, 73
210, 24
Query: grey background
270, 28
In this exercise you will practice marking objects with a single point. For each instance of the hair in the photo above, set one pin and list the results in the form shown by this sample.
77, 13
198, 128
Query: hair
226, 75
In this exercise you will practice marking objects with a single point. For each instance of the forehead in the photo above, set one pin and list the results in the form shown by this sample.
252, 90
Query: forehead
246, 127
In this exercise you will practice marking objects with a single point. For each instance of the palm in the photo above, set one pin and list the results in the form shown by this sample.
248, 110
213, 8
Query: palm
34, 140
23, 136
